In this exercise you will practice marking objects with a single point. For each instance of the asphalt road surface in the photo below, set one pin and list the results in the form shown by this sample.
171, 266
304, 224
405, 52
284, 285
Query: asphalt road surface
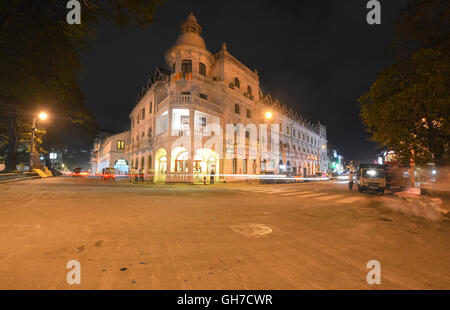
225, 236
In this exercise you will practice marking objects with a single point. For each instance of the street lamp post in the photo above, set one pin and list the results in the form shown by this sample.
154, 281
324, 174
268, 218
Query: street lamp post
33, 156
319, 159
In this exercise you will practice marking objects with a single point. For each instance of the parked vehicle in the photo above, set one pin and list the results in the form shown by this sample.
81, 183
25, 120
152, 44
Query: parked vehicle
371, 177
108, 174
397, 176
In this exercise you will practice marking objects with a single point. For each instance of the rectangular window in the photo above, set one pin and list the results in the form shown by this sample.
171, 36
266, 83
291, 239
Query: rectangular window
150, 110
236, 108
184, 122
254, 166
143, 113
120, 144
244, 163
202, 121
203, 96
234, 165
202, 69
249, 113
186, 67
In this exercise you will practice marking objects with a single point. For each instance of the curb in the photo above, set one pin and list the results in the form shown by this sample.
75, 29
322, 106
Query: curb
18, 179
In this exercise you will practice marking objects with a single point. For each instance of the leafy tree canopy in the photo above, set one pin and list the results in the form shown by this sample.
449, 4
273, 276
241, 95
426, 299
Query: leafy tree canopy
40, 61
407, 108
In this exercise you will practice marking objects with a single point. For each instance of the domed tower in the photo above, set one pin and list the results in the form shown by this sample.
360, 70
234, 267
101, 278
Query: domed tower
189, 54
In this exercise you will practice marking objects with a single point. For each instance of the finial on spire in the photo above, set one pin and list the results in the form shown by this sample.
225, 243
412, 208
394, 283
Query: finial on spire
191, 18
224, 46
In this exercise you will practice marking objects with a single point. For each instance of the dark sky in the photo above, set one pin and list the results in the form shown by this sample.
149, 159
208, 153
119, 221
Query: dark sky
315, 56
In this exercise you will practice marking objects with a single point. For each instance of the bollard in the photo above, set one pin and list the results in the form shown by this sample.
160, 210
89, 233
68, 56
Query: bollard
204, 180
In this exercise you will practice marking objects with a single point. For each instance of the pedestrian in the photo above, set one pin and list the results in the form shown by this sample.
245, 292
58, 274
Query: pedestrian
350, 180
211, 178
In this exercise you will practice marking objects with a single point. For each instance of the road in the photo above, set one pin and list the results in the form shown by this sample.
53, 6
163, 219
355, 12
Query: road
225, 236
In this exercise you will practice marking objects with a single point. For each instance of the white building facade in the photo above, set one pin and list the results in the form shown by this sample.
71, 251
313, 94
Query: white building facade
208, 114
109, 152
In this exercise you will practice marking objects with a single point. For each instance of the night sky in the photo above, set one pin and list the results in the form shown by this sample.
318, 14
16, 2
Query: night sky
315, 56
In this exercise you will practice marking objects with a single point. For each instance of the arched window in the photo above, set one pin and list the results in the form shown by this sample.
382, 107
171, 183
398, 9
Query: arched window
150, 162
249, 90
150, 132
236, 108
181, 162
237, 83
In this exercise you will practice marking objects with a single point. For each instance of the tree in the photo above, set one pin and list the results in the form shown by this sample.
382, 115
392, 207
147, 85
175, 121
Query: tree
407, 108
40, 60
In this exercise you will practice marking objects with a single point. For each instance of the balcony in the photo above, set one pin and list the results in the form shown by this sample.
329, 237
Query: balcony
191, 99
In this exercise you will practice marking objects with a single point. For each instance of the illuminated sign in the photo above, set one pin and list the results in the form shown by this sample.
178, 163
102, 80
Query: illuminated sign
121, 162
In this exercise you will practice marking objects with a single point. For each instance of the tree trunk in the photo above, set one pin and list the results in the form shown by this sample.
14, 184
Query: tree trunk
11, 157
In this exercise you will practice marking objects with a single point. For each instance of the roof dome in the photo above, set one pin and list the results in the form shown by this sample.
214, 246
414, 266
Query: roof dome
190, 33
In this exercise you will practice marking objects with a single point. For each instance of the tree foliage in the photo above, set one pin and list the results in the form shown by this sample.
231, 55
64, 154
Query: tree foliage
407, 108
40, 62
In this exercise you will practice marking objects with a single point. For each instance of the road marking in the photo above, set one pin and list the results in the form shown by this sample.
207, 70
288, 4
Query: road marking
297, 193
329, 197
350, 200
311, 195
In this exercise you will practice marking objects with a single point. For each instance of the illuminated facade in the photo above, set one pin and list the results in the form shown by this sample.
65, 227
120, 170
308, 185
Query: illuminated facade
180, 126
109, 152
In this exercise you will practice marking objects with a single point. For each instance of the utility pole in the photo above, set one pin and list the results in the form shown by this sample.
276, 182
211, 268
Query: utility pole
34, 159
32, 151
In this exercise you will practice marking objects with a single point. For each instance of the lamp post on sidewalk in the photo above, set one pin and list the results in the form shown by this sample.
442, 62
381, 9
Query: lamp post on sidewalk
268, 117
320, 159
33, 155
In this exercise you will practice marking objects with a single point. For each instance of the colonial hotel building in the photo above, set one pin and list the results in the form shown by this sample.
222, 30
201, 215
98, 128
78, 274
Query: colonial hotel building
179, 124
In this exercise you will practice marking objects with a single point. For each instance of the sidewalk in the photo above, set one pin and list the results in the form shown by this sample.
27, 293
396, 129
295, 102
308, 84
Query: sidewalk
431, 201
17, 176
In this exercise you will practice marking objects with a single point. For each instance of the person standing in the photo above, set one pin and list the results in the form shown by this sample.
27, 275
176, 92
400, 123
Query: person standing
350, 180
211, 178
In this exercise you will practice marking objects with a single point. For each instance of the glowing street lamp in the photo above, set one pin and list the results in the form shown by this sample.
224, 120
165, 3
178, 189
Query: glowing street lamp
268, 115
33, 156
43, 116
